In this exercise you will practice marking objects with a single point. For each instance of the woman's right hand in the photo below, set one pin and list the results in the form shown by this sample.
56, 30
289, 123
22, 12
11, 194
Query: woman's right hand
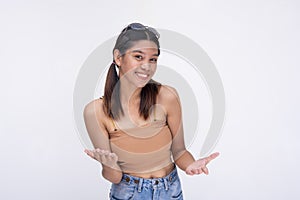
104, 157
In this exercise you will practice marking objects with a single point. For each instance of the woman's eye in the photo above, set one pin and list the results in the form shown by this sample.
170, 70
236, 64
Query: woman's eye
138, 57
154, 60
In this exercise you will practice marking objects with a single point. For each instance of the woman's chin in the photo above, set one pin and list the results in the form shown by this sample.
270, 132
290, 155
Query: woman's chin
141, 84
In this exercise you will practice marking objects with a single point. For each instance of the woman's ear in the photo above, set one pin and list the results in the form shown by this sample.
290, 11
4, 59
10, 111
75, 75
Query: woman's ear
117, 57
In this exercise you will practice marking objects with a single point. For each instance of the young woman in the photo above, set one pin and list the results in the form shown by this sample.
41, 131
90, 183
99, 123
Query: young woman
136, 127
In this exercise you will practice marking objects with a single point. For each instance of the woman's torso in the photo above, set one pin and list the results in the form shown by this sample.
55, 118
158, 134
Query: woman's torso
153, 145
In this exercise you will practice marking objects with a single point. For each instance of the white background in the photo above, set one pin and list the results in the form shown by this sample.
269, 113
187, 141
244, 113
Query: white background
254, 45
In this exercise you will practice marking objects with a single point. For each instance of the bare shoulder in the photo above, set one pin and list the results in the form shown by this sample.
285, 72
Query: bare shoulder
94, 107
93, 112
168, 97
168, 94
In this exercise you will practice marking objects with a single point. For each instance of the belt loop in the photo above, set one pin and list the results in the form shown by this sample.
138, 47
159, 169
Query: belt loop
140, 185
166, 184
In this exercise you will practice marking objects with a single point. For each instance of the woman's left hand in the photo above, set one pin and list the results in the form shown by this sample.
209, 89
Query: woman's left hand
199, 166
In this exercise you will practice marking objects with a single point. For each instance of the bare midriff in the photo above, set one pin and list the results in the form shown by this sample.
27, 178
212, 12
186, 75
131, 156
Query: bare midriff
156, 174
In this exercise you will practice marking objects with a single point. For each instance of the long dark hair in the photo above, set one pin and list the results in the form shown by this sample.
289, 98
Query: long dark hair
112, 104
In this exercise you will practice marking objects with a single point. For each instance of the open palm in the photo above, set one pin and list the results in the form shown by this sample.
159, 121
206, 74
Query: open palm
199, 166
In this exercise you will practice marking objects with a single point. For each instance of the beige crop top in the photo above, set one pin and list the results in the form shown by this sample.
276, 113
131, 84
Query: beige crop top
144, 148
140, 148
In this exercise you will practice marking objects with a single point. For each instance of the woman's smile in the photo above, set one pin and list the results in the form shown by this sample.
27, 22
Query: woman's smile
142, 76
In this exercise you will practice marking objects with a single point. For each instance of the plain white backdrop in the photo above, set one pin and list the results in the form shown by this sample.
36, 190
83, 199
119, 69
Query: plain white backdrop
254, 45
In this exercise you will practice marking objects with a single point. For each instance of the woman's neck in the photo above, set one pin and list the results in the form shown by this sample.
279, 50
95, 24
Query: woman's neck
129, 94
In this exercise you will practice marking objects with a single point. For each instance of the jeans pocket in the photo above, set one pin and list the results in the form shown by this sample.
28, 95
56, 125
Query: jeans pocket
121, 191
176, 190
178, 196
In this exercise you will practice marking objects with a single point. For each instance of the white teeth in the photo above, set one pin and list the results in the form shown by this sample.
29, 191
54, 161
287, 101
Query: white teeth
142, 75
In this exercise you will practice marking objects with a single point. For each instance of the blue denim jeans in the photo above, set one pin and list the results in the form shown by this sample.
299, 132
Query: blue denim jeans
136, 188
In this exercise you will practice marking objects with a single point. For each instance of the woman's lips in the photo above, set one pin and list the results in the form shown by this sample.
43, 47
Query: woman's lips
142, 76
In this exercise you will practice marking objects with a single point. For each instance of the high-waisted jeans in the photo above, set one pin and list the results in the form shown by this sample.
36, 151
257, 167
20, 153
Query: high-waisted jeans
136, 188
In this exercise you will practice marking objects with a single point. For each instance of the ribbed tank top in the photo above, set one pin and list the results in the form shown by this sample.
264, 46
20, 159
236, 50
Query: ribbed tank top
142, 149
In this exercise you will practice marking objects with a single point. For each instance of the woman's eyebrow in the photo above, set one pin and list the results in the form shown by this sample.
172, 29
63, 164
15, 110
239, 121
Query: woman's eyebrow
139, 51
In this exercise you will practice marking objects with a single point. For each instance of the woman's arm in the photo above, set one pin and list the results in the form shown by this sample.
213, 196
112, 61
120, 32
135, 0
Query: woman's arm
110, 168
93, 118
182, 157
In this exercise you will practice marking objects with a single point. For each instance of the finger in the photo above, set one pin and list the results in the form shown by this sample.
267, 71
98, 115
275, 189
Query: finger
200, 171
214, 155
107, 156
89, 153
103, 152
197, 171
205, 170
103, 158
97, 156
106, 153
211, 157
114, 156
189, 172
100, 151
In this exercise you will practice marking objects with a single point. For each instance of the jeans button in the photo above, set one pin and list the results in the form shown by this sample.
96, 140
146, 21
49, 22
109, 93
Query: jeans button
156, 182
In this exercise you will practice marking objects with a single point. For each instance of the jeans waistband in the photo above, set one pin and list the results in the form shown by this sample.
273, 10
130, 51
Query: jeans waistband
165, 181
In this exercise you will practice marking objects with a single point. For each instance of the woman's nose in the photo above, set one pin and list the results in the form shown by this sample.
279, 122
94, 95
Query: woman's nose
145, 66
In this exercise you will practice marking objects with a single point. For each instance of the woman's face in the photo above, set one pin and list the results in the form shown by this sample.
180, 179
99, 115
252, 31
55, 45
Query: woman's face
139, 63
